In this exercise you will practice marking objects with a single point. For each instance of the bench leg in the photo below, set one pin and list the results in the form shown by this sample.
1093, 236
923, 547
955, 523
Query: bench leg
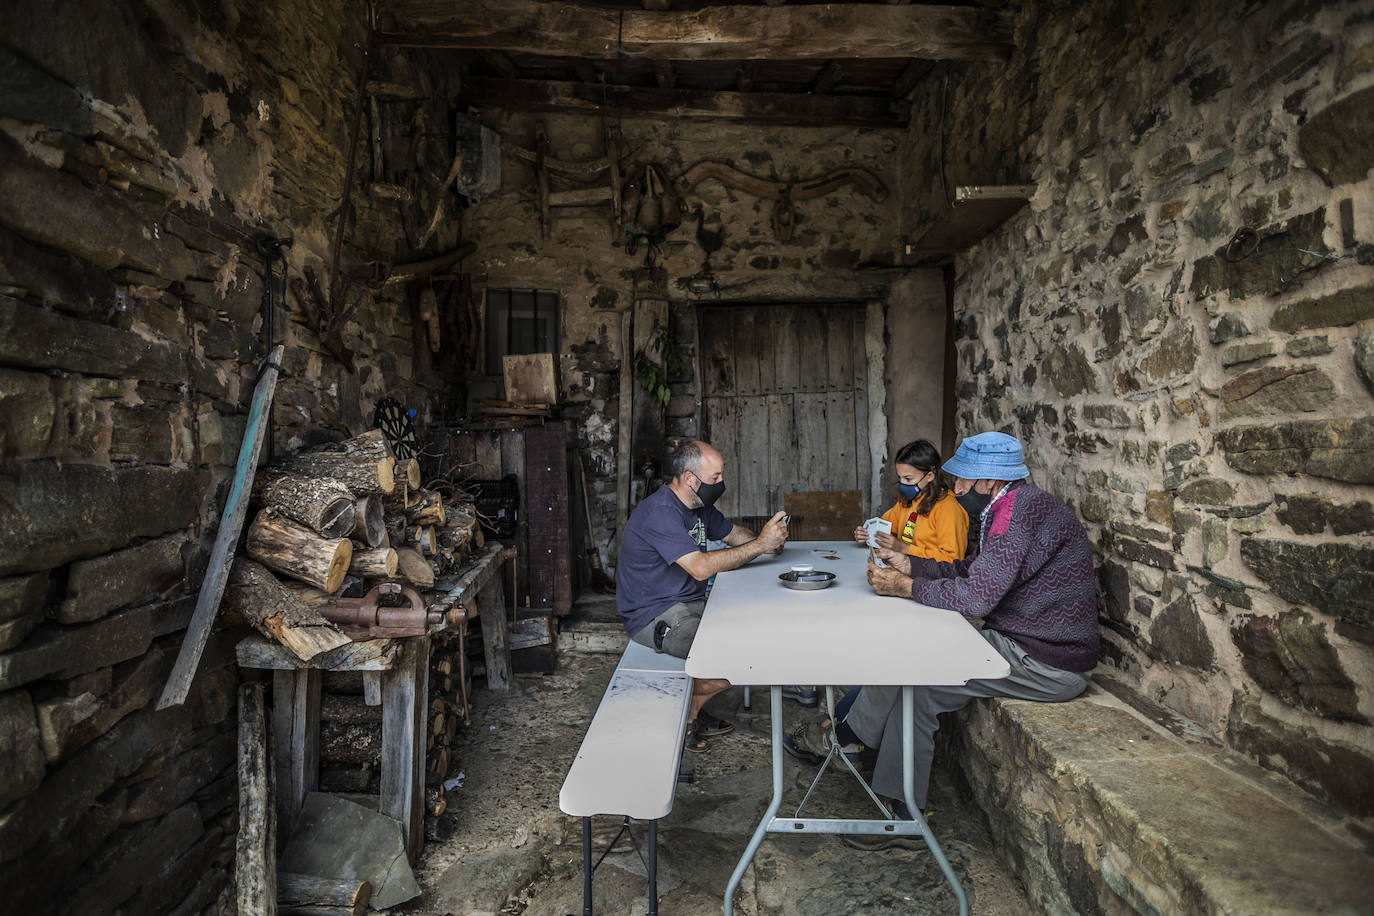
653, 868
586, 866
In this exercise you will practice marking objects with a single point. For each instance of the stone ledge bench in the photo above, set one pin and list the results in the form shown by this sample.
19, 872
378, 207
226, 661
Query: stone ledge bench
628, 762
1101, 810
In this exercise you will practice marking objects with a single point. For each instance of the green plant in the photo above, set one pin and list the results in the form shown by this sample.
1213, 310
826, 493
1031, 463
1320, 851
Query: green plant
652, 377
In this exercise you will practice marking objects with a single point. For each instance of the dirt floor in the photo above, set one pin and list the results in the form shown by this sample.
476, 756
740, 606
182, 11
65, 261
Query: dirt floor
513, 852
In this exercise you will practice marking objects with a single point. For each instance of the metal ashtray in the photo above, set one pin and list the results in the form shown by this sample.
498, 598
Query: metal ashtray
807, 581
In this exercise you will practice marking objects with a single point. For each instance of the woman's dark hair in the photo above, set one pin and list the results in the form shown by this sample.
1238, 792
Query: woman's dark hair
923, 456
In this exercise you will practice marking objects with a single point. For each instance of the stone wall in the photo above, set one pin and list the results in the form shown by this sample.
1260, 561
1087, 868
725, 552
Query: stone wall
598, 280
142, 148
1179, 327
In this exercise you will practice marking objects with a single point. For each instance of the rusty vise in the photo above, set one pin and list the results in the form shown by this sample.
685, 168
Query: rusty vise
368, 618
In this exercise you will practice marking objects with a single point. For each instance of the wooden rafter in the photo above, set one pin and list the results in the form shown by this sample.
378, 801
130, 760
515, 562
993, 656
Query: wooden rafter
787, 32
908, 78
828, 78
669, 104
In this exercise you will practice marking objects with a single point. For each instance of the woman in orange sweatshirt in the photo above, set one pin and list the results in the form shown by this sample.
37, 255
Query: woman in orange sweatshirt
927, 521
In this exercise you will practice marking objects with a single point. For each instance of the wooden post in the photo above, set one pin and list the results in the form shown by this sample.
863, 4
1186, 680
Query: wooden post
405, 693
625, 419
296, 733
491, 608
255, 857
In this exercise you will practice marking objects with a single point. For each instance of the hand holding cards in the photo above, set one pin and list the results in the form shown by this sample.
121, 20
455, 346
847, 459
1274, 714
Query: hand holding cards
875, 526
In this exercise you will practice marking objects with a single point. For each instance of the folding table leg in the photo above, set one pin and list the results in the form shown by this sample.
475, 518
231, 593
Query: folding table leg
757, 838
586, 866
909, 795
653, 868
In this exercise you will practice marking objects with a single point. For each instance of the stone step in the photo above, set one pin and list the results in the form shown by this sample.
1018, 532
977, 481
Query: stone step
1100, 808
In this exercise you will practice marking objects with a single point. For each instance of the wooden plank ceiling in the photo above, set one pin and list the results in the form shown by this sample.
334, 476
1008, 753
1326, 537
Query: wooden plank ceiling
776, 62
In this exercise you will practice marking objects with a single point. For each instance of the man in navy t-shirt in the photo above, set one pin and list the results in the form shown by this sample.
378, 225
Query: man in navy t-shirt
661, 574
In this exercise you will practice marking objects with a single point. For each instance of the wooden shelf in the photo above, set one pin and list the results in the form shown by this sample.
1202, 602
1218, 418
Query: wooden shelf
975, 212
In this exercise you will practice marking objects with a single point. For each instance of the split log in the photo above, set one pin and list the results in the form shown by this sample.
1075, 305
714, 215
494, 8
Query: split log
377, 564
428, 509
414, 568
307, 895
320, 503
348, 709
309, 594
274, 611
255, 857
368, 524
408, 469
395, 525
297, 551
364, 464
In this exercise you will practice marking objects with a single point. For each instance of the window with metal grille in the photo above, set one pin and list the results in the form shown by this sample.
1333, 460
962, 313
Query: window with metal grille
520, 321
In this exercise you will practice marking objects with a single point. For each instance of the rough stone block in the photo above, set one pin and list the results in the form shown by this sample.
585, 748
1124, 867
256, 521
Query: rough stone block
1247, 353
67, 724
143, 855
1109, 416
1140, 552
1364, 359
1209, 491
52, 513
37, 339
1335, 578
142, 434
1228, 327
1317, 345
1303, 514
1338, 141
1216, 543
179, 779
1178, 636
27, 410
1069, 371
1337, 449
23, 596
1277, 389
14, 632
23, 768
39, 879
1290, 657
1352, 518
54, 278
1159, 506
1142, 532
1338, 309
1333, 770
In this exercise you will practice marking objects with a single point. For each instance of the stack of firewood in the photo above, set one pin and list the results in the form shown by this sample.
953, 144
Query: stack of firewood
331, 519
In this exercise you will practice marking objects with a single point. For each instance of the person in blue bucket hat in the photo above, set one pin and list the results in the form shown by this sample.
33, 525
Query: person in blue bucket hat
1031, 584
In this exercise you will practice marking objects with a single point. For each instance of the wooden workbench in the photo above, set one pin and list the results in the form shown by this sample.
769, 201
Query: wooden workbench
395, 675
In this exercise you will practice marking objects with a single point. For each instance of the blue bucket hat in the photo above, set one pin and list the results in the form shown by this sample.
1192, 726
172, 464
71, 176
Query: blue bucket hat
988, 456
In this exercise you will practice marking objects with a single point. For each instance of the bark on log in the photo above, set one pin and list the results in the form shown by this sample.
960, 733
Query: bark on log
348, 709
297, 551
408, 469
364, 464
427, 509
277, 613
368, 524
351, 743
377, 564
311, 596
320, 503
306, 894
414, 568
255, 856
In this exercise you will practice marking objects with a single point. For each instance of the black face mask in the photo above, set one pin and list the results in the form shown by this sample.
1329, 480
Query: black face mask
974, 502
708, 493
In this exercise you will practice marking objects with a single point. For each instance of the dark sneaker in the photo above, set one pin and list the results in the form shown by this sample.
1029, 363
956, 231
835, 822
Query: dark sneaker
709, 726
806, 696
811, 741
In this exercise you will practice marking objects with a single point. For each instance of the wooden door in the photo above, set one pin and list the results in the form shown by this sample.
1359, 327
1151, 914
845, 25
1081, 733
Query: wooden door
785, 400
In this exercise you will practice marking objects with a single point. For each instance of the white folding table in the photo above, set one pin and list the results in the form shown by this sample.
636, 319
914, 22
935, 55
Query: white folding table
757, 632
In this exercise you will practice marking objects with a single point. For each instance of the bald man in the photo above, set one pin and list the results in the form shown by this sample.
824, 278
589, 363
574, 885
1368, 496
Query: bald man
663, 567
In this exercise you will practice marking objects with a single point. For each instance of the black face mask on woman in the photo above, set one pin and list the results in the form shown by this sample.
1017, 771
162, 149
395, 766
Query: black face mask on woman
708, 493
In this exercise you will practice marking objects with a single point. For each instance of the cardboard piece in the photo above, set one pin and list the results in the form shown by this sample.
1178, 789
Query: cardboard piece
531, 378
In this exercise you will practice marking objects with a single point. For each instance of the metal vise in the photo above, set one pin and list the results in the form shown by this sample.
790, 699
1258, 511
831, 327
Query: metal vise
368, 618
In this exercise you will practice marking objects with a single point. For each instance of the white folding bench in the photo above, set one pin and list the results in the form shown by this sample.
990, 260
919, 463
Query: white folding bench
628, 762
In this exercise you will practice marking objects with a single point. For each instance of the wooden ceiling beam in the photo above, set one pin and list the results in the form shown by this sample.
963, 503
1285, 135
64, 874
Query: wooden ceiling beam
788, 32
828, 78
585, 71
796, 109
664, 75
909, 77
502, 64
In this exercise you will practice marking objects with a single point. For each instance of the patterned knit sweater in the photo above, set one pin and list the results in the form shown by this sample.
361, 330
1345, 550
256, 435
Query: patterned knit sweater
1032, 580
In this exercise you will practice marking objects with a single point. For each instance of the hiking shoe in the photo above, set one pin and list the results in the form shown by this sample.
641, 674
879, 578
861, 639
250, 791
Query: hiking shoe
811, 742
806, 696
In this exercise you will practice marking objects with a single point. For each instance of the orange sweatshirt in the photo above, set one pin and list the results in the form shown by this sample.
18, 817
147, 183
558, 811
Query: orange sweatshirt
941, 535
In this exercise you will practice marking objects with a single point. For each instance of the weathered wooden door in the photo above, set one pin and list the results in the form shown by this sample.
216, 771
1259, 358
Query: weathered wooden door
785, 400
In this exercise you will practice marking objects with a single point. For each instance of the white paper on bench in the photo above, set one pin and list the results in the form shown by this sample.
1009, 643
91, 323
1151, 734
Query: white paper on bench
629, 759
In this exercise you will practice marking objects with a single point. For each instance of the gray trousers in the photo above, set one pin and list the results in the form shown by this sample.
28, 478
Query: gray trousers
876, 716
682, 619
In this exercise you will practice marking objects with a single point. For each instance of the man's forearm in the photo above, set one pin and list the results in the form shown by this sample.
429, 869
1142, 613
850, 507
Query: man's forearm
729, 558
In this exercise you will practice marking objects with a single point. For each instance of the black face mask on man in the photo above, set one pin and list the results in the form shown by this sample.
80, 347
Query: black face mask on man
708, 493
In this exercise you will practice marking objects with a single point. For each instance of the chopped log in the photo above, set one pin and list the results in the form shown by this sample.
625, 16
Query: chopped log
309, 594
438, 764
255, 857
307, 895
427, 509
414, 568
322, 504
408, 469
297, 551
364, 464
368, 524
395, 526
348, 709
351, 743
274, 611
378, 564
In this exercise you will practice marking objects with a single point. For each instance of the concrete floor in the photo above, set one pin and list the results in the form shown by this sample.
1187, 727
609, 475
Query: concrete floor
513, 852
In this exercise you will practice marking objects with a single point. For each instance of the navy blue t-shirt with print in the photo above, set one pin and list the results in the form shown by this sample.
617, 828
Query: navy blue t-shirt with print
661, 529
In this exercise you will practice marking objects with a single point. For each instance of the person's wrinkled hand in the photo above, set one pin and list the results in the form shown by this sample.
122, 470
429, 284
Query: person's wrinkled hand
897, 559
890, 581
887, 540
774, 534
